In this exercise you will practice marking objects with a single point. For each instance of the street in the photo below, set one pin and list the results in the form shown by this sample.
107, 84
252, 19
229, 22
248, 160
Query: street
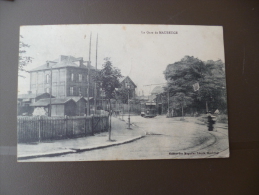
165, 138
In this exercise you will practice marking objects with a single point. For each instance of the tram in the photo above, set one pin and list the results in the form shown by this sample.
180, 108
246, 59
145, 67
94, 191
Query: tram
148, 109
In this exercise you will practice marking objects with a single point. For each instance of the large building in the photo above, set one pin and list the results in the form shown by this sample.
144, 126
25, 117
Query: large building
63, 77
66, 79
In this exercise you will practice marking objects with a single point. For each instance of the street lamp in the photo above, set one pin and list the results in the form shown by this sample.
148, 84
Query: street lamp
79, 105
102, 96
128, 86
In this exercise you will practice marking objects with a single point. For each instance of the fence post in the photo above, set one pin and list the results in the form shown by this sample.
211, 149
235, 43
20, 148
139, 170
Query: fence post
66, 125
92, 124
39, 129
85, 124
73, 128
51, 123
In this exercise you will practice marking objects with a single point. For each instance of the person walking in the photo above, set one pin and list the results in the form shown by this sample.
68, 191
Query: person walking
211, 122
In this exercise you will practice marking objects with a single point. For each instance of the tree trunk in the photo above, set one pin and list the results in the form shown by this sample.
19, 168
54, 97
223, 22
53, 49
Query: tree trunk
110, 118
182, 112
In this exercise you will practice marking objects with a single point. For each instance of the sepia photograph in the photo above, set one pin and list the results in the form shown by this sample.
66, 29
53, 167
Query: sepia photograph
99, 92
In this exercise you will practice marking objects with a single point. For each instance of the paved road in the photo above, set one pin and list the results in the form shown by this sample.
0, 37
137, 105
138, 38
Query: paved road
166, 138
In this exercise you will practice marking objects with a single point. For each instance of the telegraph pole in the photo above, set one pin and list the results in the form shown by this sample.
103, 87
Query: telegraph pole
128, 86
95, 85
50, 90
168, 103
88, 77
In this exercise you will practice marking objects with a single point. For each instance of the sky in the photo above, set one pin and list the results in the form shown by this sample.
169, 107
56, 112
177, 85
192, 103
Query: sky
141, 52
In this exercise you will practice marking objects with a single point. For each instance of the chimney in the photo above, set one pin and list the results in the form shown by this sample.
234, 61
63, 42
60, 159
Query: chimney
88, 63
62, 57
81, 62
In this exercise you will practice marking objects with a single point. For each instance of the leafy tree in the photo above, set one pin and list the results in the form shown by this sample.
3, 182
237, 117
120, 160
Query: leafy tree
23, 60
122, 95
108, 79
181, 101
211, 78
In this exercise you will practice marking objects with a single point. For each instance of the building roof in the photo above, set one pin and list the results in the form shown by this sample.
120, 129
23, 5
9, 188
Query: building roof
123, 78
63, 61
26, 96
157, 90
31, 95
46, 102
141, 97
77, 98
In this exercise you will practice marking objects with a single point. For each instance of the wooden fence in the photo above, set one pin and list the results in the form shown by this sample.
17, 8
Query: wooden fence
40, 128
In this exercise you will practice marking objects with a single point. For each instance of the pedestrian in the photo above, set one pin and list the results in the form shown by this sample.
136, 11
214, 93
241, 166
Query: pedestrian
211, 122
172, 113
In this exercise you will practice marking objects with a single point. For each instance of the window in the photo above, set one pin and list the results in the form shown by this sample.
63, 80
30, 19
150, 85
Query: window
80, 77
71, 91
47, 78
72, 76
79, 91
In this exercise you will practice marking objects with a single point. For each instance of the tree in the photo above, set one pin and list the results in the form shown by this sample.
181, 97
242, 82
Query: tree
181, 101
211, 78
23, 60
122, 95
108, 80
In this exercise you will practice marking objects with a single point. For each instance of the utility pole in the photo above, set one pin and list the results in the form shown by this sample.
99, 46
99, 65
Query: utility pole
128, 86
88, 77
168, 102
95, 85
162, 100
50, 89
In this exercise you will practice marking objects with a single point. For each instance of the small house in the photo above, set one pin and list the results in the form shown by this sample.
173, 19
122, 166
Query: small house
24, 101
55, 107
81, 104
127, 83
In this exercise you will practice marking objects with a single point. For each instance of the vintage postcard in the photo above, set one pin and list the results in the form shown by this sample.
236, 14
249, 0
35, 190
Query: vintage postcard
121, 92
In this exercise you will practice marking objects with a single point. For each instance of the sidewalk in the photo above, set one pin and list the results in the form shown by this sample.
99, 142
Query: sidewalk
120, 135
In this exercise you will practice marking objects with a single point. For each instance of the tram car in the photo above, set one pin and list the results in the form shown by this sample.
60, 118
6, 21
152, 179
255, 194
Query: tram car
148, 109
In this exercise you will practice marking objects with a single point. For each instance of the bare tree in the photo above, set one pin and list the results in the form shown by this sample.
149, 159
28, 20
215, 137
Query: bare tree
23, 59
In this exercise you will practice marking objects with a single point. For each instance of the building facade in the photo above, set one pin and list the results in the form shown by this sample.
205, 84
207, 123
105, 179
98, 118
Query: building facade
63, 77
127, 83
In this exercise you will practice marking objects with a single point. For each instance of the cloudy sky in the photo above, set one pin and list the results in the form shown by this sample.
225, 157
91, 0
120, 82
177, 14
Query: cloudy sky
133, 49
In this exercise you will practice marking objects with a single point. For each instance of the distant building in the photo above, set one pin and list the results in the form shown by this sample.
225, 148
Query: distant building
156, 95
125, 82
157, 90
